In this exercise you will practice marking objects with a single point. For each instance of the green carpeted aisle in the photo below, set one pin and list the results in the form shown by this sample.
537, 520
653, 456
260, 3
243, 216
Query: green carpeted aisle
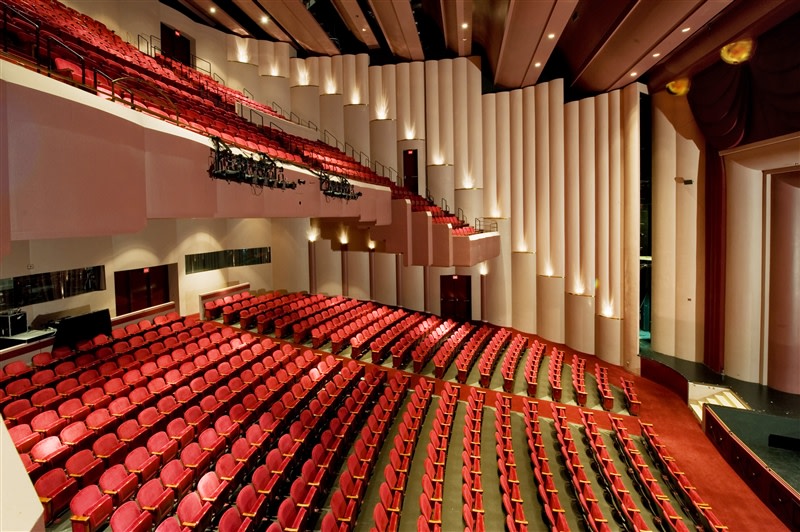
527, 482
451, 491
589, 467
547, 427
410, 511
619, 460
371, 498
494, 515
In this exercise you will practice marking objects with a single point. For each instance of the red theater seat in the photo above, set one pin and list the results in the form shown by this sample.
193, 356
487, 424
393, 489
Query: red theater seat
24, 438
131, 518
55, 490
142, 463
193, 512
156, 499
176, 476
90, 509
50, 452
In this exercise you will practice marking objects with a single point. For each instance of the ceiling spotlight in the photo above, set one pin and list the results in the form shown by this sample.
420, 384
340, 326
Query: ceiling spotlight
264, 19
537, 64
212, 10
551, 35
634, 74
737, 51
687, 29
679, 87
464, 25
656, 54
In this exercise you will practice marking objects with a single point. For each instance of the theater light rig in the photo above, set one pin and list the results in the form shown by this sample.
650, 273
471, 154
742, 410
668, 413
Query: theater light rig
338, 187
258, 171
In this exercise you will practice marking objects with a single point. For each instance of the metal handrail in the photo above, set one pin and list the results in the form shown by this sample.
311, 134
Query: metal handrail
53, 38
139, 39
259, 115
22, 16
248, 94
277, 108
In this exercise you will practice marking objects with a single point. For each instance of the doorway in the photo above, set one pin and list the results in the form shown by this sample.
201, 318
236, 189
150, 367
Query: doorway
411, 170
456, 297
141, 288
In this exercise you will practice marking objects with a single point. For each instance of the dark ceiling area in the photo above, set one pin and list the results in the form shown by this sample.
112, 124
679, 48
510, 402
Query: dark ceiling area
595, 45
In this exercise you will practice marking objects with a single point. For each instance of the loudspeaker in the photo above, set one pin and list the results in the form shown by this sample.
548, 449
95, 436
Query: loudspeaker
13, 323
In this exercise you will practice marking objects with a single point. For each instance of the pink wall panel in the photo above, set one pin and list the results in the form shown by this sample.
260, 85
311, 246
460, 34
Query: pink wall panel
178, 185
73, 171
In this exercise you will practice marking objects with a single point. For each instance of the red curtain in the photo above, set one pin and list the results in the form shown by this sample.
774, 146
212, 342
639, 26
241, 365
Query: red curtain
734, 105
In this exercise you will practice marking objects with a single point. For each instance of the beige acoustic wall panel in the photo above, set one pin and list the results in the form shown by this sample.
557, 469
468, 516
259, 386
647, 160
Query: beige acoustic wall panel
523, 275
499, 280
491, 207
385, 279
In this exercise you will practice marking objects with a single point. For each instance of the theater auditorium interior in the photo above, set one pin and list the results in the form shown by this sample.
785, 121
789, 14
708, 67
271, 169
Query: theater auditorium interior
405, 265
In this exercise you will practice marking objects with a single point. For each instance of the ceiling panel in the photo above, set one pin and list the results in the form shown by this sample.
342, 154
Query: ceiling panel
397, 23
354, 18
298, 22
260, 17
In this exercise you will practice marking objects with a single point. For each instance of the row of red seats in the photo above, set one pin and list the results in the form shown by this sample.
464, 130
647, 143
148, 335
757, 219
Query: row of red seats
301, 330
469, 354
94, 388
624, 504
381, 345
603, 386
323, 332
491, 354
632, 402
581, 485
424, 350
430, 500
341, 337
677, 479
232, 312
359, 343
543, 476
346, 501
250, 317
511, 495
212, 310
131, 434
579, 379
265, 321
271, 479
451, 346
61, 361
472, 510
646, 482
307, 307
511, 361
554, 373
247, 315
312, 400
532, 364
401, 351
391, 491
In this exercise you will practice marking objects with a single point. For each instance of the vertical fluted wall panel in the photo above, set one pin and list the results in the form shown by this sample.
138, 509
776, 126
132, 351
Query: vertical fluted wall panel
503, 154
490, 203
529, 168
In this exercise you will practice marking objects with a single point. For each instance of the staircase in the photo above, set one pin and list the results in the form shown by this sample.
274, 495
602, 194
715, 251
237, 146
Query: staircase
715, 395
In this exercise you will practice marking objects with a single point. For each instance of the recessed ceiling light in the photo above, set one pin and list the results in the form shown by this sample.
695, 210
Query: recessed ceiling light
551, 35
656, 54
363, 29
634, 74
264, 19
537, 64
212, 9
464, 39
686, 29
464, 25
